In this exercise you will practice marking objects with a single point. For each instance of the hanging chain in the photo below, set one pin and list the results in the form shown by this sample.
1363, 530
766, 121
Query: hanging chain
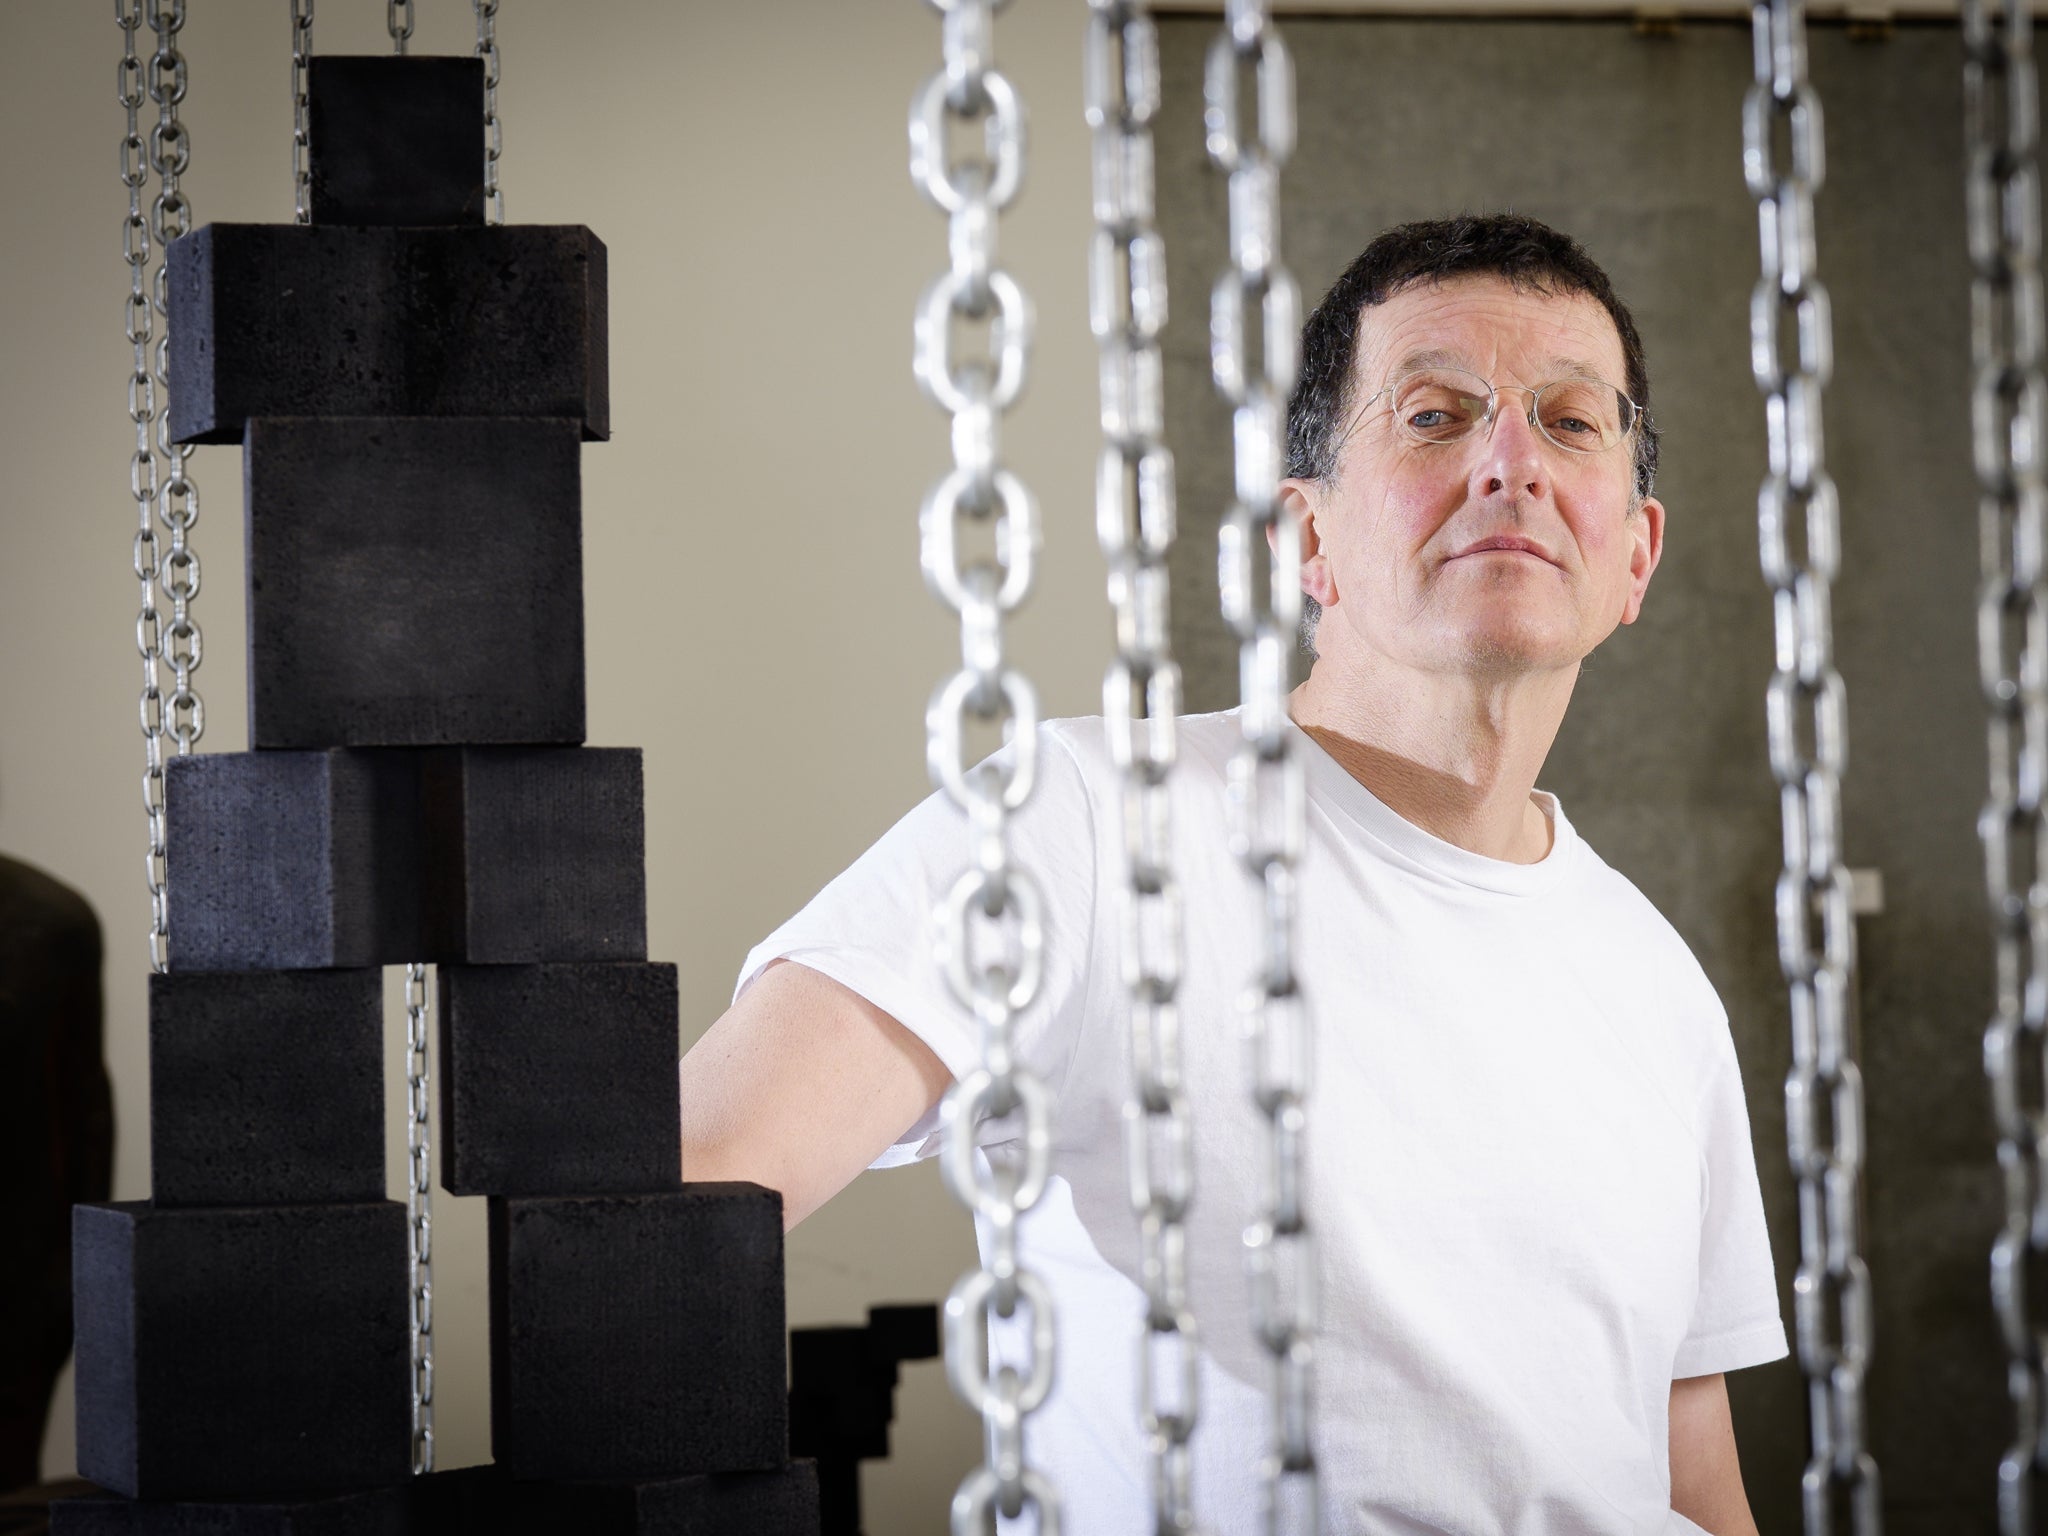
398, 22
1267, 800
1134, 521
171, 496
302, 137
143, 471
419, 1209
2002, 126
991, 936
494, 131
1808, 743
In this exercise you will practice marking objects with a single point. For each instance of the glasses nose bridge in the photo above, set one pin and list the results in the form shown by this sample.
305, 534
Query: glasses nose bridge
1492, 417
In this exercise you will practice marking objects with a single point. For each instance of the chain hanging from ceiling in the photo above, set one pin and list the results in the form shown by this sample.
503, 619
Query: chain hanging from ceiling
1800, 539
159, 479
2010, 413
990, 925
1254, 330
1135, 525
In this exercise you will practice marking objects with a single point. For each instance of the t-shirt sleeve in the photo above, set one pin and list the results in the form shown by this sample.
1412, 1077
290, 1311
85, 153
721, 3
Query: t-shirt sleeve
872, 930
1735, 1319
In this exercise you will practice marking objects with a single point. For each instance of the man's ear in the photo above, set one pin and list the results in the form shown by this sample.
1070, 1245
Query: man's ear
1646, 528
1298, 499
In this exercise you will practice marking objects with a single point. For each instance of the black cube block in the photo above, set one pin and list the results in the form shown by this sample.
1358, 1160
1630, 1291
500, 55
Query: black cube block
238, 1352
558, 1079
638, 1336
266, 1087
536, 853
414, 581
377, 1512
331, 320
293, 860
395, 140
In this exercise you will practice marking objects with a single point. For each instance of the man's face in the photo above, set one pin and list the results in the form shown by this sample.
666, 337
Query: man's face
1389, 547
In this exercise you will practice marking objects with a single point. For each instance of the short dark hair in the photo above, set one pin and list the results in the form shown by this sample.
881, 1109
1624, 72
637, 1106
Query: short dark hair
1511, 246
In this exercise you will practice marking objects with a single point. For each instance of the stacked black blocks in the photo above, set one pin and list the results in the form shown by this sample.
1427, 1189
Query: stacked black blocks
252, 1350
412, 389
842, 1396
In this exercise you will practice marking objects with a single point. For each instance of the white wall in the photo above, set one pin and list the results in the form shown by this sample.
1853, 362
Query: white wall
755, 617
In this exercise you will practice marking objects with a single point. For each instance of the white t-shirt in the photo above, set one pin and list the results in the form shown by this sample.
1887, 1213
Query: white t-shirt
1529, 1160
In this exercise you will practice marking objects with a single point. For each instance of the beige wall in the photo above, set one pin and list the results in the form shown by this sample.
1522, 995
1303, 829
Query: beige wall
755, 618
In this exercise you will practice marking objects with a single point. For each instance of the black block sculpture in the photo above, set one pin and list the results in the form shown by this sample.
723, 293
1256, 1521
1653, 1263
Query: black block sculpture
412, 388
842, 1397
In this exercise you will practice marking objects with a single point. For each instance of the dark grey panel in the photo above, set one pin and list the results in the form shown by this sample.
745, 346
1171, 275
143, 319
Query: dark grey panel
1633, 144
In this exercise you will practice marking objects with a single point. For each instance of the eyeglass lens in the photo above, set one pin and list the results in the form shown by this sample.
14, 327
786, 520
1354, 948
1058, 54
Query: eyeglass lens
1446, 405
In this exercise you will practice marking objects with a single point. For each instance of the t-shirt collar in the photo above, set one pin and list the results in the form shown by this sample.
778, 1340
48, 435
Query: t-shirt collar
1330, 784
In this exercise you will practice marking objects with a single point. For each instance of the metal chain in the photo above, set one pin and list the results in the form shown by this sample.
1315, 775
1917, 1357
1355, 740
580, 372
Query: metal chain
1808, 744
1267, 800
2002, 127
990, 925
302, 136
144, 477
494, 131
419, 1209
1135, 522
398, 22
172, 497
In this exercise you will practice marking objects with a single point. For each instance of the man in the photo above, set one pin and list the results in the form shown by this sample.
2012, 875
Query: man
1530, 1174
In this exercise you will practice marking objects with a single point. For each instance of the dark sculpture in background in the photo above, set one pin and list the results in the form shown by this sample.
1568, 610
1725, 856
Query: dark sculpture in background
56, 1138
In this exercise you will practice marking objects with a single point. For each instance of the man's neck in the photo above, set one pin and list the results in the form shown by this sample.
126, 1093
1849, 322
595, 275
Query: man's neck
1455, 755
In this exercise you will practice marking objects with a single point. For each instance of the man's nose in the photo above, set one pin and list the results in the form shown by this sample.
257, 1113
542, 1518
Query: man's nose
1512, 460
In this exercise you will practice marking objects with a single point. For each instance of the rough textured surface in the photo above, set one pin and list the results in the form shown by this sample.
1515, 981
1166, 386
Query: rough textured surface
535, 854
637, 1336
1661, 762
266, 1088
293, 860
395, 140
485, 855
414, 582
482, 1501
558, 1079
327, 320
378, 1512
234, 1352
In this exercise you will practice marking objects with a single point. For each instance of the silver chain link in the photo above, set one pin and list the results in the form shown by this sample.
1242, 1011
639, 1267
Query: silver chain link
172, 497
302, 137
990, 925
494, 131
1267, 798
419, 1209
398, 22
2010, 413
1135, 524
1800, 539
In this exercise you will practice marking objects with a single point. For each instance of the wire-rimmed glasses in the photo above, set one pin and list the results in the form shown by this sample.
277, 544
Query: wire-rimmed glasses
1437, 406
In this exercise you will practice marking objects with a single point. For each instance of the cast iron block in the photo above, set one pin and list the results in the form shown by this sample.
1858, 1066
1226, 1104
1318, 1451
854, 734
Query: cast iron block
535, 853
395, 140
266, 1087
235, 1352
332, 320
638, 1336
293, 860
482, 1501
414, 581
558, 1079
378, 1512
485, 855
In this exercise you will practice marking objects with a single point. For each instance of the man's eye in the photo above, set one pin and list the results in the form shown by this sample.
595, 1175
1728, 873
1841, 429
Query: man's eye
1575, 425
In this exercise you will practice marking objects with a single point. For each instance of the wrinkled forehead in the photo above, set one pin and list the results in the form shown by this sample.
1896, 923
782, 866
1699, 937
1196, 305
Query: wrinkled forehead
1502, 332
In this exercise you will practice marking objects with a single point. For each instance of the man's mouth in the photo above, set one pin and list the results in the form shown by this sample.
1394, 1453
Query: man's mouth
1506, 543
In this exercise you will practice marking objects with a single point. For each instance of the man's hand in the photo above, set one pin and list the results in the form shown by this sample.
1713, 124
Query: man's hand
799, 1086
1706, 1479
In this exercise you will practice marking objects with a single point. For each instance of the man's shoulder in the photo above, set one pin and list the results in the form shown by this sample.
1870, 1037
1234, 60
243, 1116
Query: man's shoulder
1200, 742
